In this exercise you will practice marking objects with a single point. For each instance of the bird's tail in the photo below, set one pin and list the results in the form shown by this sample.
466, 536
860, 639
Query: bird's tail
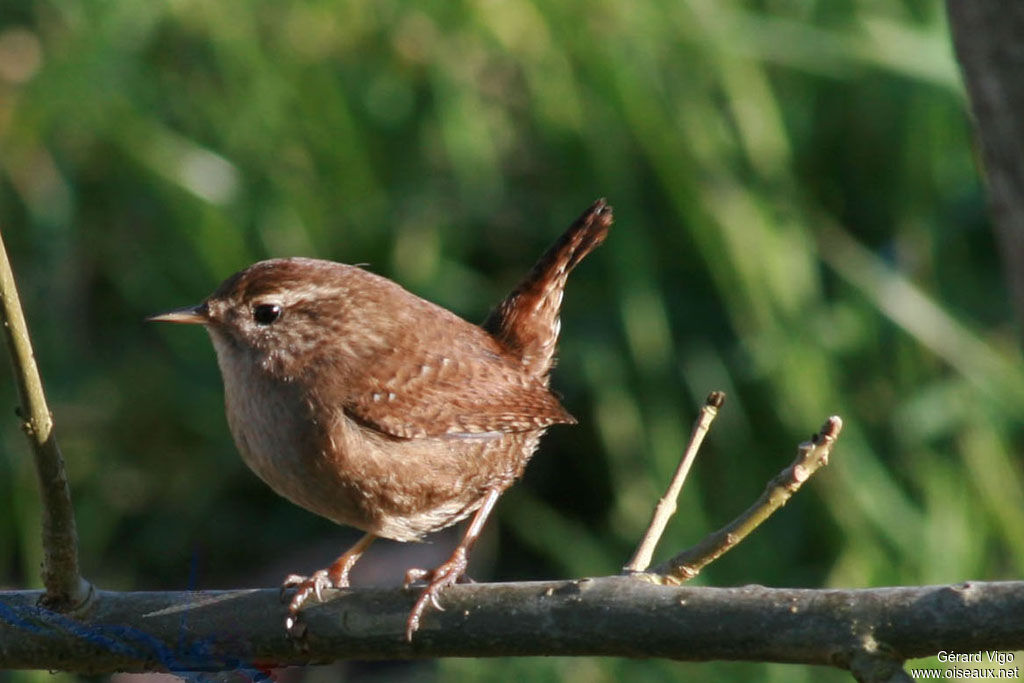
526, 322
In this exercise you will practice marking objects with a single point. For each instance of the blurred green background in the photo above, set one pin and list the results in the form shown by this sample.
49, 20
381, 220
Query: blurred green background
800, 223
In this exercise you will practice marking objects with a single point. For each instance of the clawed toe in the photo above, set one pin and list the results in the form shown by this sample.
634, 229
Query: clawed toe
335, 576
428, 596
305, 588
433, 593
446, 575
291, 581
295, 627
416, 575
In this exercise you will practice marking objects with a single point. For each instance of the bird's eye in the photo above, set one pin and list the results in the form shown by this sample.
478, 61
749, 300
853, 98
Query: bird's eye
266, 314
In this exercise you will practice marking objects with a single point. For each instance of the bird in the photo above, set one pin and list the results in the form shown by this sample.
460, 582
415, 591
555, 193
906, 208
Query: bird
367, 405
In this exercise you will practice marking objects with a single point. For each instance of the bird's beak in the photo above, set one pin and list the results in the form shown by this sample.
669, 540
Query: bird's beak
192, 315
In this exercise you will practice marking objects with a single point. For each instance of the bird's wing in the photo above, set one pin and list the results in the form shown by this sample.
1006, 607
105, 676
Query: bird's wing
453, 387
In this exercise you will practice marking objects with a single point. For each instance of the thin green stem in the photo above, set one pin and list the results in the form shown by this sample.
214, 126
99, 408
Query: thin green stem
65, 587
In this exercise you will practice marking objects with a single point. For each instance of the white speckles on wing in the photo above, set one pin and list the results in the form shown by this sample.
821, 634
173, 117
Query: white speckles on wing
478, 435
480, 394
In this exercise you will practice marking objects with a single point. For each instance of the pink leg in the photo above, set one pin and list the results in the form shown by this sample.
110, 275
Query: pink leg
450, 572
335, 576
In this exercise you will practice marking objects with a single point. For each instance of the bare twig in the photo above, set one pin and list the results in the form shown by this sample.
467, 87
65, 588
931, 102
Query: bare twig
811, 455
667, 505
609, 616
65, 587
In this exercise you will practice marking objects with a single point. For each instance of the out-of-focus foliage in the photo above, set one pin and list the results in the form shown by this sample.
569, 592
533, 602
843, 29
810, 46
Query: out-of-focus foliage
799, 223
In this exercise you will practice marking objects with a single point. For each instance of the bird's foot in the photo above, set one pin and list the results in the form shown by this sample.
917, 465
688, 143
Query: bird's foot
449, 573
307, 587
335, 576
415, 575
419, 577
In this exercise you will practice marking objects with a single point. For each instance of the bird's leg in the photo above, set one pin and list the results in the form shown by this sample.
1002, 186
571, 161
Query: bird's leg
453, 569
335, 576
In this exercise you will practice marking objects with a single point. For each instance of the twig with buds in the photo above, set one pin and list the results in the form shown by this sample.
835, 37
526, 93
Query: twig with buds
811, 456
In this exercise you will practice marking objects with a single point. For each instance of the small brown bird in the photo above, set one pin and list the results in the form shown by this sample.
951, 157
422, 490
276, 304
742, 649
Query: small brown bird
372, 407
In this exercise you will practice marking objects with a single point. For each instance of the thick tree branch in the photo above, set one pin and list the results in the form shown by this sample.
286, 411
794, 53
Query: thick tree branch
861, 630
65, 587
988, 35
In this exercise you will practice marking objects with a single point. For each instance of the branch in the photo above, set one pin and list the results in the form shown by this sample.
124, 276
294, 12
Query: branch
987, 35
811, 455
65, 587
609, 616
666, 506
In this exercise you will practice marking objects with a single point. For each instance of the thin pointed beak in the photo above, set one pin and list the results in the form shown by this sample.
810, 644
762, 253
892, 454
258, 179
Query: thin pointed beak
191, 315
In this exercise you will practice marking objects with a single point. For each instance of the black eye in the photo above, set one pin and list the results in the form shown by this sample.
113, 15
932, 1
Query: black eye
266, 314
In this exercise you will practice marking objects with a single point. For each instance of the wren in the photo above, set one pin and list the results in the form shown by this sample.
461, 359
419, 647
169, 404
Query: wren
372, 407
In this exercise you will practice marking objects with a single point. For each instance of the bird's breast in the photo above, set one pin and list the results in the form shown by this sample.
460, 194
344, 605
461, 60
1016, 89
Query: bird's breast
280, 438
319, 458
